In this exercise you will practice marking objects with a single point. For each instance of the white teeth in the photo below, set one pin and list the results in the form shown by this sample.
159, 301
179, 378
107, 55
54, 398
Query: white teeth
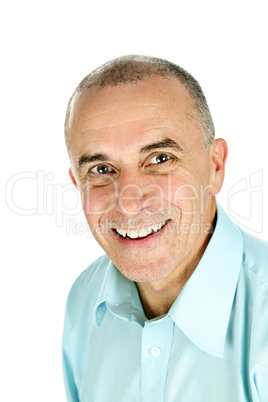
155, 228
134, 234
148, 230
143, 232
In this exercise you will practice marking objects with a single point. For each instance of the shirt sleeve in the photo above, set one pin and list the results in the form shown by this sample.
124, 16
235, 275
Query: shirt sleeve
259, 345
260, 379
70, 387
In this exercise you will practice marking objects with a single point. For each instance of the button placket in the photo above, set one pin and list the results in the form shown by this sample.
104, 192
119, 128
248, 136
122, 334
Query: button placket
156, 344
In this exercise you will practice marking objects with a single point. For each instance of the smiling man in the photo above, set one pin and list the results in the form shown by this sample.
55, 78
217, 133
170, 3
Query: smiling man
176, 310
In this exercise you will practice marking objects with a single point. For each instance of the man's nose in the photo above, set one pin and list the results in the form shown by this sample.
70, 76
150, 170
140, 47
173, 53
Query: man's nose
132, 197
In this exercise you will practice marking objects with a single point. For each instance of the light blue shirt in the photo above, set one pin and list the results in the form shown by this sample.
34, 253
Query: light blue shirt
212, 346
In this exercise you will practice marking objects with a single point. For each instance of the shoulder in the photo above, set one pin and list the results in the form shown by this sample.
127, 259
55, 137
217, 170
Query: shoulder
255, 257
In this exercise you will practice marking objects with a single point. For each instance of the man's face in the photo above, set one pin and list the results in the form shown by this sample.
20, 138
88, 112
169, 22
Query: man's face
144, 176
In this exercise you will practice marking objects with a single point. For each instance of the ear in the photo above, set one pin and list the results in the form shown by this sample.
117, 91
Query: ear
218, 156
73, 178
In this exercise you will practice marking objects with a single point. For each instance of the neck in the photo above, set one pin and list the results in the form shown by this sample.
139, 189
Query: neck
157, 297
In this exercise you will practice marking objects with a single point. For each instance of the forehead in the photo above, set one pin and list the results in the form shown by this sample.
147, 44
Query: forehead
157, 91
129, 112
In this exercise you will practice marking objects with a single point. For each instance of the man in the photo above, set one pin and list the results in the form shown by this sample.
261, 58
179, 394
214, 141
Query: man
177, 309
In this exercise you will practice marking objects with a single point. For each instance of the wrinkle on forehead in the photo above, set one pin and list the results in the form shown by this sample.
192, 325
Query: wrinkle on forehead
115, 125
115, 115
100, 140
92, 111
159, 119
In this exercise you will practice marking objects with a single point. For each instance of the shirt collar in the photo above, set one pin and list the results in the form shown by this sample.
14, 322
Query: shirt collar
120, 296
202, 310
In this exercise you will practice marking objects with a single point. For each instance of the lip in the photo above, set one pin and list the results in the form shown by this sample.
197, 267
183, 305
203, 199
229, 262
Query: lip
140, 242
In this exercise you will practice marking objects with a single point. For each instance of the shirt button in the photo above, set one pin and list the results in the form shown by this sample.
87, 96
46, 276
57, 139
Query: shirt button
155, 351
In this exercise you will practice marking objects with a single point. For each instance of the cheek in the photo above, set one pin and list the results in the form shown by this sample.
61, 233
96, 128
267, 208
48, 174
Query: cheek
187, 192
180, 189
185, 196
97, 201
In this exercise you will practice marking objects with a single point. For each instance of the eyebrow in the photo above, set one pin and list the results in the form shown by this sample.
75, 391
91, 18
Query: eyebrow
165, 143
85, 159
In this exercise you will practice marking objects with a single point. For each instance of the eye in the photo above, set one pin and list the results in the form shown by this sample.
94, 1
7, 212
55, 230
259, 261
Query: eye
101, 170
159, 158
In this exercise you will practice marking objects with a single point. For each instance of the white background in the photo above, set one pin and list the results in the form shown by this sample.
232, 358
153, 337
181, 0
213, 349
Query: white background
47, 48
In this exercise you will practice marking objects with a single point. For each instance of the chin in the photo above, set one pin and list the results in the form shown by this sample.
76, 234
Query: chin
144, 273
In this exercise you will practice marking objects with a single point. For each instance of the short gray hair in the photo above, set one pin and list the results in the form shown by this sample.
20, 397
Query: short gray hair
134, 68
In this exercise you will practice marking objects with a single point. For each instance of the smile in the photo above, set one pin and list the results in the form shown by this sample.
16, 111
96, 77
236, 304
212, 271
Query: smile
144, 232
